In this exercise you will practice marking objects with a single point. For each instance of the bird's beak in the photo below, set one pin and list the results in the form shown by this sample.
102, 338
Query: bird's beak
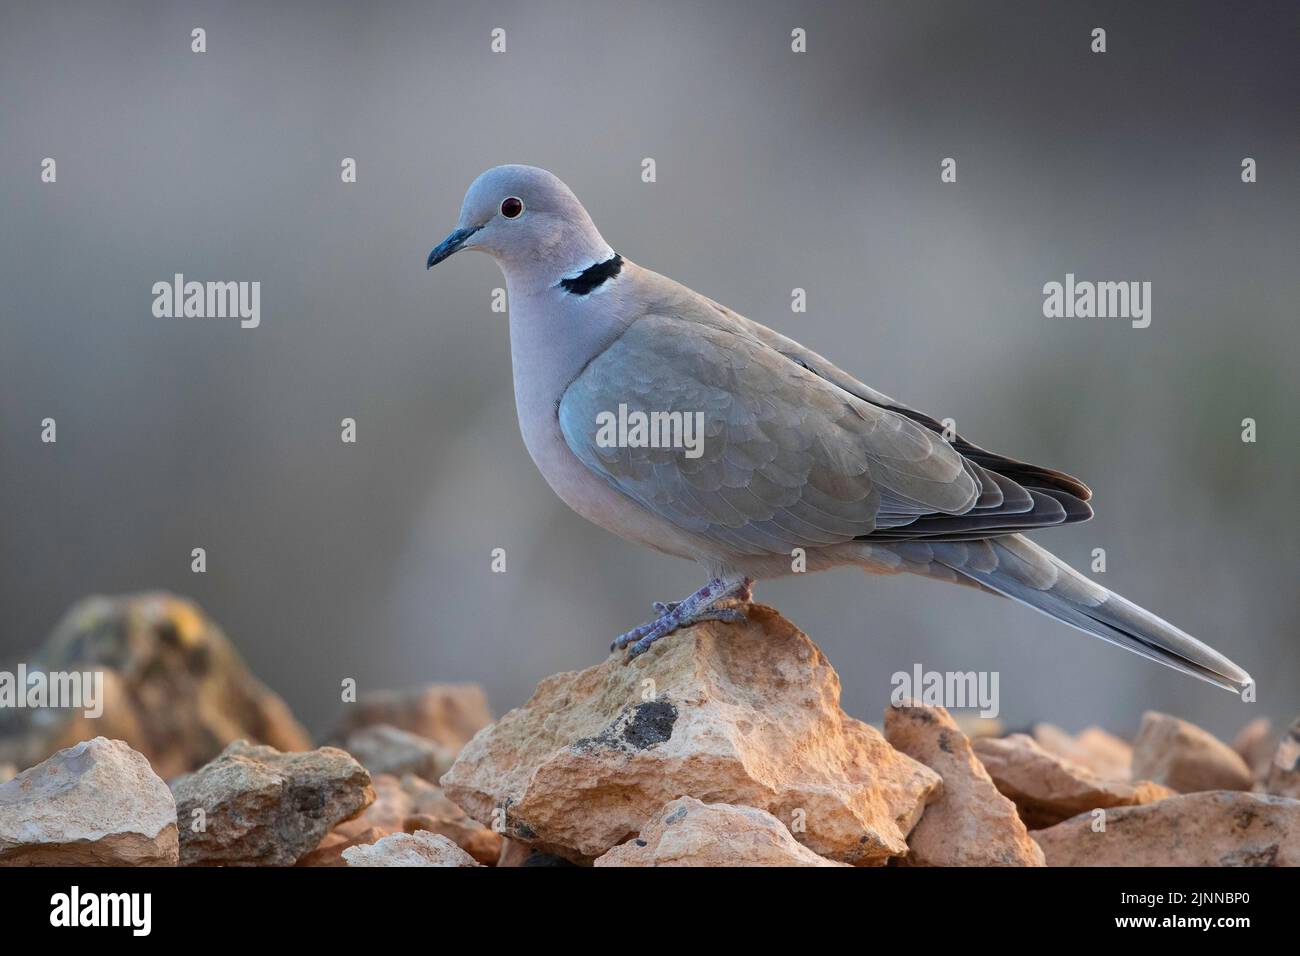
449, 245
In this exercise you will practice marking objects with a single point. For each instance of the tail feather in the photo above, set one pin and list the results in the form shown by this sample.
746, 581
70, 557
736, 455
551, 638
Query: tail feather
1015, 567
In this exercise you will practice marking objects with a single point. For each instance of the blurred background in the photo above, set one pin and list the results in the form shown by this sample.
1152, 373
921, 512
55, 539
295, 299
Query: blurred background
775, 170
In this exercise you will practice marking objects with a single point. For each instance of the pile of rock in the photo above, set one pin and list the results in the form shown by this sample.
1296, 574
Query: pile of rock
726, 738
247, 789
1196, 802
747, 716
174, 688
725, 745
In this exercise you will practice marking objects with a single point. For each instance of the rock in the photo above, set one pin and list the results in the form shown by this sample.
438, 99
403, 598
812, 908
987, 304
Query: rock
403, 806
1254, 743
330, 850
1101, 752
1284, 772
98, 803
971, 823
385, 749
175, 689
386, 815
7, 772
745, 714
687, 832
432, 811
1047, 789
1181, 755
1213, 828
421, 848
447, 713
266, 808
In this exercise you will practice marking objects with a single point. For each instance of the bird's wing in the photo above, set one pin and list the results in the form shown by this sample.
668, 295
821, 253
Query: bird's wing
788, 458
1033, 476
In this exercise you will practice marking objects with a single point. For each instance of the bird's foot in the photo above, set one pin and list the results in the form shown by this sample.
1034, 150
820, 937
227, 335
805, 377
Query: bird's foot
743, 594
700, 606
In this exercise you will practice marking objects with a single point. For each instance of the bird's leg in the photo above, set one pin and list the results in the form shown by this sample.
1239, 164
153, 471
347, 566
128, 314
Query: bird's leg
744, 594
700, 606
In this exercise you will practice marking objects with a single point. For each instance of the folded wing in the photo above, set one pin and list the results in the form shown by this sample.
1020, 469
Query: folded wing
791, 457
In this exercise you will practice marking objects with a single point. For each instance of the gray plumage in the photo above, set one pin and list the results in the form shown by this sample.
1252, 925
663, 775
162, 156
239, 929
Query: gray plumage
796, 453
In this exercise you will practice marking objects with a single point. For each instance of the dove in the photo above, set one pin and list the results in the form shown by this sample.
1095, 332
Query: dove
799, 463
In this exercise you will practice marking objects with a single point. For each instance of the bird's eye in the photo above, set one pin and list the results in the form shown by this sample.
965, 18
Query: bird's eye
511, 207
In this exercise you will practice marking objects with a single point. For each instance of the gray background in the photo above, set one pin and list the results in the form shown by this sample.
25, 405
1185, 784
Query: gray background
775, 170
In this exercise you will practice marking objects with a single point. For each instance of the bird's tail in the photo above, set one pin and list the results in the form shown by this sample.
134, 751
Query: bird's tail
1015, 567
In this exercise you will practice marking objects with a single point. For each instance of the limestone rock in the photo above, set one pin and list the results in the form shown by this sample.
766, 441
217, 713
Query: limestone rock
746, 714
1047, 789
971, 823
386, 815
98, 803
1284, 772
1186, 758
432, 811
1254, 743
687, 832
404, 806
447, 713
263, 807
175, 689
1211, 828
385, 749
1101, 752
329, 852
421, 848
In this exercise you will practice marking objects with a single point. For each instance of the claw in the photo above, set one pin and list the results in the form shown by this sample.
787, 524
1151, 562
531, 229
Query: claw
643, 645
700, 606
665, 626
623, 640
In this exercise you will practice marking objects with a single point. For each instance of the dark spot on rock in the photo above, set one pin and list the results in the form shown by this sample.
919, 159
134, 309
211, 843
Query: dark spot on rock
651, 723
639, 842
674, 816
945, 742
546, 859
636, 728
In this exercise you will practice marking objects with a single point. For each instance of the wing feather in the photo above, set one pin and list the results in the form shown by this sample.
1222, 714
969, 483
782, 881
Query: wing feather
794, 453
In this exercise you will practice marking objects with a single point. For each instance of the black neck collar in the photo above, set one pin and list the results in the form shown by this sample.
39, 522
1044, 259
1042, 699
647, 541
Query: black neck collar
592, 277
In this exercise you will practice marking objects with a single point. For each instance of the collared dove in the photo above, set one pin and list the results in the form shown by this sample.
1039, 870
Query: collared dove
794, 457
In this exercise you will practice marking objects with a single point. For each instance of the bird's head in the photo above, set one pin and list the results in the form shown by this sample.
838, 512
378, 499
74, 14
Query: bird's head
529, 221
